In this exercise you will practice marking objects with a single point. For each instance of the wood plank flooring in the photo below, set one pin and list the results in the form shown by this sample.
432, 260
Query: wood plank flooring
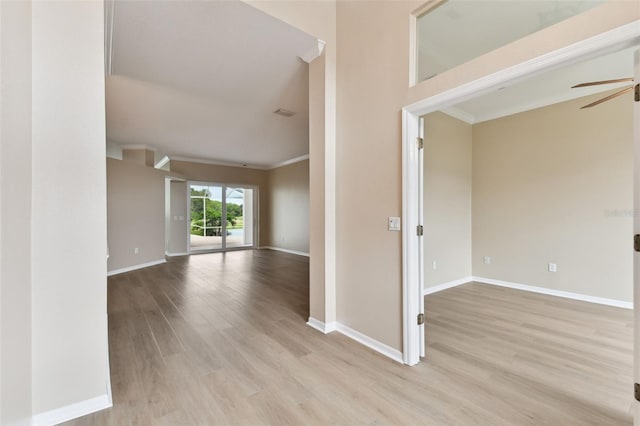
221, 339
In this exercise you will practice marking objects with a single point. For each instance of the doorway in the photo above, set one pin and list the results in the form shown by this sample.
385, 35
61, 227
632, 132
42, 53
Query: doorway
413, 263
222, 217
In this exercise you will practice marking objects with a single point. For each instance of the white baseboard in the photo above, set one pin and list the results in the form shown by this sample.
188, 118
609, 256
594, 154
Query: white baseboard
363, 339
321, 326
73, 411
445, 286
299, 253
558, 293
176, 254
377, 346
134, 267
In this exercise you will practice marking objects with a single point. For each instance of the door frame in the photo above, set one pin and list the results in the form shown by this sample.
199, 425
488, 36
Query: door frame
255, 226
412, 260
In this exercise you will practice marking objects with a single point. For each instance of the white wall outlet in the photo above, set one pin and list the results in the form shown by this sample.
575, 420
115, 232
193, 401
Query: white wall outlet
553, 267
136, 250
486, 260
394, 223
434, 265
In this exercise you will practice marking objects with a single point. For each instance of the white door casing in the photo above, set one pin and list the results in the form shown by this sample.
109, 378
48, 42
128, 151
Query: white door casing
636, 230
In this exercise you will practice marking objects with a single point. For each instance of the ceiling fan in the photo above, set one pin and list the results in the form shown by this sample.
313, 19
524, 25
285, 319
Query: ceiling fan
613, 95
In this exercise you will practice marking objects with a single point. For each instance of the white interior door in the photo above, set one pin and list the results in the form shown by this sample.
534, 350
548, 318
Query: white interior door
636, 231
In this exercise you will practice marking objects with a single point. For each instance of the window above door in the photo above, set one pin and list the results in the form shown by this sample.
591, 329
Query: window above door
452, 32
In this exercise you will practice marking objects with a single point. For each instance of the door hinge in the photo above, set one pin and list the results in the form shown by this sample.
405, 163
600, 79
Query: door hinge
420, 143
636, 389
421, 321
636, 91
636, 242
419, 230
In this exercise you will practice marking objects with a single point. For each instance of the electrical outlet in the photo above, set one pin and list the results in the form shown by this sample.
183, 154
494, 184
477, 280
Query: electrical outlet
486, 260
136, 250
553, 267
434, 265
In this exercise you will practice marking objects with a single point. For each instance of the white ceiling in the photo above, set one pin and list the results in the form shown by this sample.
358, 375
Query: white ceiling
201, 79
547, 89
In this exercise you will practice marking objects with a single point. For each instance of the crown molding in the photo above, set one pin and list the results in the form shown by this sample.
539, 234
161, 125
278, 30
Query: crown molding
216, 162
314, 52
291, 161
138, 146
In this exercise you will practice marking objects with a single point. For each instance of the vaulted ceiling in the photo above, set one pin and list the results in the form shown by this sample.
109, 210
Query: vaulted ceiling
202, 79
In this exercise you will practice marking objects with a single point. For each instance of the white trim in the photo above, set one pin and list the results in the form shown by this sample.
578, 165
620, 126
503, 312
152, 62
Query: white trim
553, 292
72, 411
299, 253
459, 114
216, 162
176, 254
363, 339
138, 146
321, 326
411, 243
413, 48
377, 346
291, 161
234, 164
532, 289
446, 285
109, 16
314, 52
616, 39
164, 160
134, 267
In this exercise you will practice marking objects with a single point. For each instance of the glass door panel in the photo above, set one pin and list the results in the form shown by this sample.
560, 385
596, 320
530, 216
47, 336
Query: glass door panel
206, 231
239, 215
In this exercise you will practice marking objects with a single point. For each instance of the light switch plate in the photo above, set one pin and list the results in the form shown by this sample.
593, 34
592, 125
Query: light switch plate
394, 223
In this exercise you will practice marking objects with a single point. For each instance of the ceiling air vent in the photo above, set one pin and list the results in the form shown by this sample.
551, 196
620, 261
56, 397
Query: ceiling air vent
284, 112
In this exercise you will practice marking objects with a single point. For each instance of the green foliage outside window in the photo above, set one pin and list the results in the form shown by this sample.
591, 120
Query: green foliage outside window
213, 210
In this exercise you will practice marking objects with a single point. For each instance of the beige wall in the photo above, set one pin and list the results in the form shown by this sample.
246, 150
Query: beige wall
202, 172
555, 185
15, 213
372, 77
135, 214
68, 223
143, 157
288, 226
372, 87
447, 199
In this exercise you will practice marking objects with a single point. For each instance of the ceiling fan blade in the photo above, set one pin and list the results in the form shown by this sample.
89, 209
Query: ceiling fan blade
596, 83
608, 98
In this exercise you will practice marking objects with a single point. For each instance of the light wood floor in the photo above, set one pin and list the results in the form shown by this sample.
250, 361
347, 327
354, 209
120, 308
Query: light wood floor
221, 339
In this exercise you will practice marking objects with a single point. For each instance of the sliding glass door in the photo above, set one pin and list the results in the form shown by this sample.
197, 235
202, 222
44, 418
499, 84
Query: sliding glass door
221, 217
